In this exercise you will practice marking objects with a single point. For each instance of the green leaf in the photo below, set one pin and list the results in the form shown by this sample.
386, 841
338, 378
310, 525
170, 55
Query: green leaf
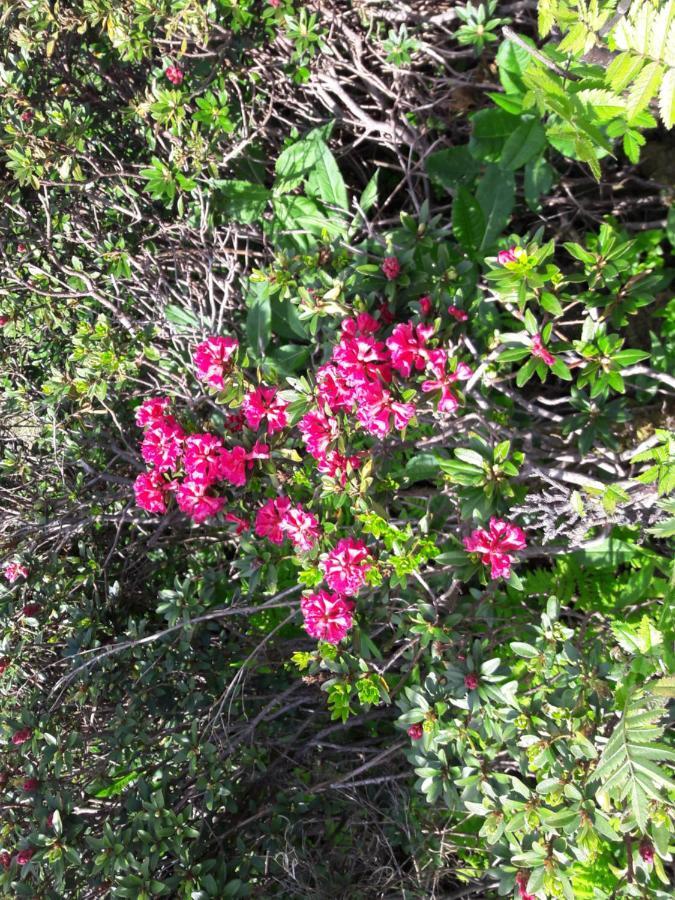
645, 87
539, 178
526, 142
496, 195
115, 787
468, 222
623, 70
369, 196
667, 98
242, 201
525, 650
325, 180
452, 167
258, 325
491, 130
184, 318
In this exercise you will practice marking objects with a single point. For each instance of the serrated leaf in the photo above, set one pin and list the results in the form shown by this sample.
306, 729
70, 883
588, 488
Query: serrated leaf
623, 69
644, 88
667, 99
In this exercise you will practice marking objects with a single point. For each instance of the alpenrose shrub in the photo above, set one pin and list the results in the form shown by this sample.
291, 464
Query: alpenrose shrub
368, 392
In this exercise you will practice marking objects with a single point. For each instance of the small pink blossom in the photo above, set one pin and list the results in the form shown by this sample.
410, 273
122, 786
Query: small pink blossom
30, 784
425, 306
269, 518
507, 256
20, 248
5, 859
13, 571
443, 381
242, 524
152, 411
213, 360
175, 75
27, 115
361, 359
522, 879
24, 856
318, 431
264, 403
275, 3
203, 457
335, 465
538, 349
3, 321
470, 682
346, 565
391, 268
194, 501
301, 527
497, 545
647, 850
328, 617
162, 444
416, 731
21, 736
333, 391
458, 313
150, 490
376, 407
363, 325
408, 347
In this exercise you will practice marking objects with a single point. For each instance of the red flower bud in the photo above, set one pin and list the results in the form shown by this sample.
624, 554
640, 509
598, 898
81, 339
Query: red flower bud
21, 736
4, 663
31, 609
31, 784
471, 682
647, 850
416, 731
391, 268
5, 859
25, 856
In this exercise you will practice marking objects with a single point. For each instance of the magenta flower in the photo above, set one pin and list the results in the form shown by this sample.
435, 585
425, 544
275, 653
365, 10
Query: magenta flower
497, 545
193, 500
509, 256
13, 571
150, 490
213, 360
346, 565
408, 347
391, 268
318, 431
334, 464
444, 381
24, 856
458, 313
328, 617
162, 444
269, 518
30, 784
361, 359
521, 880
264, 403
376, 407
204, 455
363, 325
27, 115
152, 411
242, 524
175, 75
416, 731
333, 391
425, 306
3, 321
301, 527
21, 736
538, 349
647, 851
470, 682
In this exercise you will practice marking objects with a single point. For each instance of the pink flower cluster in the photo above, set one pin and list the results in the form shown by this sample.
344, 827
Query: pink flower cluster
496, 546
174, 74
190, 465
279, 518
328, 617
359, 381
13, 571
